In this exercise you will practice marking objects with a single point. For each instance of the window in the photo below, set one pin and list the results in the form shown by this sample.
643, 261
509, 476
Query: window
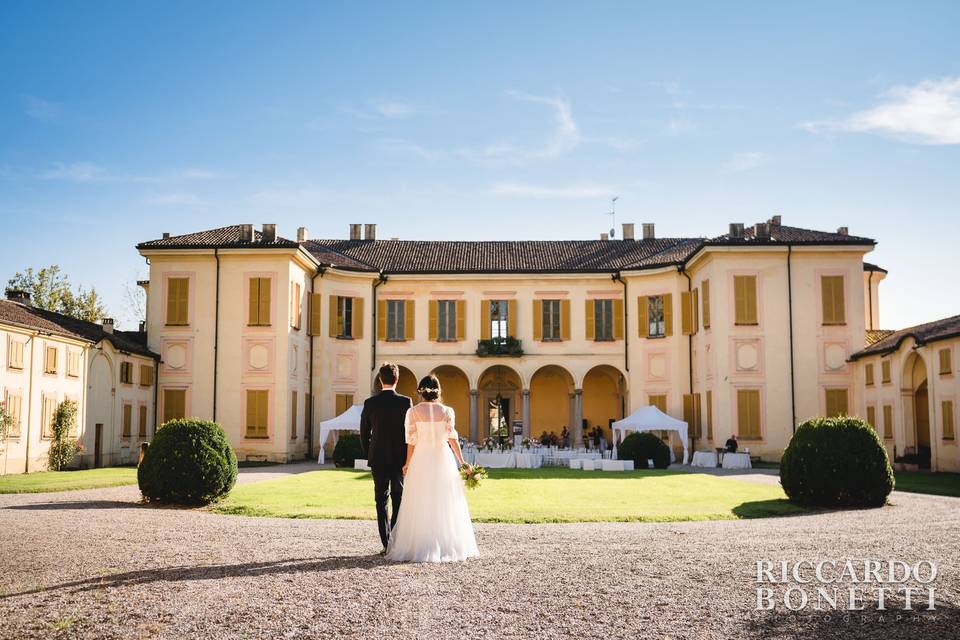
395, 320
142, 424
946, 366
73, 363
872, 416
868, 374
748, 414
293, 415
174, 404
831, 291
15, 354
888, 421
705, 287
691, 413
295, 305
745, 300
602, 320
47, 416
447, 320
689, 315
343, 402
659, 401
178, 299
885, 372
257, 412
259, 312
656, 317
499, 319
836, 401
50, 360
709, 401
14, 407
346, 317
127, 425
126, 372
551, 319
946, 407
146, 375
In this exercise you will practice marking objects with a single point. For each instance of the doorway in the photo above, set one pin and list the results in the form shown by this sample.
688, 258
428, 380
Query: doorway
98, 446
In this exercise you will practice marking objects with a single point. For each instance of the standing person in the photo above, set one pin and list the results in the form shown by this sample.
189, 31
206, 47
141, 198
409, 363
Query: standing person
434, 524
382, 442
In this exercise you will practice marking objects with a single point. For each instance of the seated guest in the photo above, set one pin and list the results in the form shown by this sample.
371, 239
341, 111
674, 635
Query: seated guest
732, 444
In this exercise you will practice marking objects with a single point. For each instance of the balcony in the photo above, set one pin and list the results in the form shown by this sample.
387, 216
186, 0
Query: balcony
508, 347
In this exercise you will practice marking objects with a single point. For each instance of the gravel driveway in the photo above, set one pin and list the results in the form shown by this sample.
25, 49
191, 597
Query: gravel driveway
94, 564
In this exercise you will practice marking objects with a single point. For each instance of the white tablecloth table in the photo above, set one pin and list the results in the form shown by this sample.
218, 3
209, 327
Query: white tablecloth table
496, 460
526, 460
575, 463
361, 464
736, 461
704, 459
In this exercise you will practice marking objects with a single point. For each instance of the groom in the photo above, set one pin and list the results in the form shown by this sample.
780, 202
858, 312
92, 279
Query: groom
384, 444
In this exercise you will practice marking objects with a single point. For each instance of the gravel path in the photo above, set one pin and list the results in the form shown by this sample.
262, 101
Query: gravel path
94, 564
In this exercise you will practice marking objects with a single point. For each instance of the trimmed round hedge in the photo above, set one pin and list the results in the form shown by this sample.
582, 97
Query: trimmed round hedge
347, 450
188, 462
836, 462
641, 447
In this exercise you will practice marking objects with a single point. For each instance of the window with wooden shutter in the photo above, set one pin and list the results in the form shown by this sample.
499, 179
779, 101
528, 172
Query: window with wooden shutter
689, 415
126, 372
705, 287
50, 360
343, 401
346, 317
512, 318
658, 400
667, 314
293, 415
47, 415
745, 300
872, 416
885, 371
356, 318
486, 318
259, 312
396, 320
433, 313
888, 422
174, 404
709, 401
257, 413
146, 375
656, 316
461, 311
698, 414
590, 319
178, 300
643, 323
73, 363
15, 354
409, 319
946, 411
868, 374
748, 414
618, 319
14, 406
564, 319
946, 364
296, 307
142, 424
538, 320
836, 402
600, 320
686, 315
447, 320
126, 426
316, 304
832, 300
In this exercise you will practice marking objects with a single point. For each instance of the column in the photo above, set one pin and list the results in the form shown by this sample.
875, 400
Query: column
474, 416
526, 413
577, 430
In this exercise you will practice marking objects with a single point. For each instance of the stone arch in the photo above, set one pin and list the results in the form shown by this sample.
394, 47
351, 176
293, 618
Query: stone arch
100, 408
604, 398
916, 407
551, 398
503, 382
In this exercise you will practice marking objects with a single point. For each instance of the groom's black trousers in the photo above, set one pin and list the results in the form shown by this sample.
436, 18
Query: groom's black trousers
387, 485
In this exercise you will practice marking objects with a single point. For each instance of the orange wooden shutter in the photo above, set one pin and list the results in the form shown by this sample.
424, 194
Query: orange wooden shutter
333, 316
705, 285
461, 319
316, 301
538, 319
668, 314
643, 321
381, 319
686, 322
433, 317
511, 318
695, 311
485, 319
589, 317
564, 319
409, 320
618, 319
356, 330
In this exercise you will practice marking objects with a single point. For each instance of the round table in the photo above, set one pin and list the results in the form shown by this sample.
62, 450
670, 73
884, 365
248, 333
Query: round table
736, 461
706, 459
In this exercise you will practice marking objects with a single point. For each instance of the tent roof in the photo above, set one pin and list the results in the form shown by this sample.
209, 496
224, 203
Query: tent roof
349, 419
650, 418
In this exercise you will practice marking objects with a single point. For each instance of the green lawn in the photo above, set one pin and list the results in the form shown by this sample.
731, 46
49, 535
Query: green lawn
527, 496
940, 484
43, 481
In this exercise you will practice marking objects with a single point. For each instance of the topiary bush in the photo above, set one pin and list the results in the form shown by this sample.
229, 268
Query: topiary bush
347, 450
188, 462
641, 447
836, 462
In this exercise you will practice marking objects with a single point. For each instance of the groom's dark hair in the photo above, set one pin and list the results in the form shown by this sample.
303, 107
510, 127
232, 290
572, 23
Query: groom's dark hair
389, 373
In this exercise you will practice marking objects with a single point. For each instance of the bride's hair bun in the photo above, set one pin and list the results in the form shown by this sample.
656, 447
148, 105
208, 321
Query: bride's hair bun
429, 387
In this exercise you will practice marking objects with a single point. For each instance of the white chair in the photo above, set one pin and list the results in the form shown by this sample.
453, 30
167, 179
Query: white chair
575, 463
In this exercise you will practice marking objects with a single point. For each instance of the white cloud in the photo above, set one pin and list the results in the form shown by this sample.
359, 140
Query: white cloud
40, 109
746, 161
570, 192
566, 134
925, 113
394, 109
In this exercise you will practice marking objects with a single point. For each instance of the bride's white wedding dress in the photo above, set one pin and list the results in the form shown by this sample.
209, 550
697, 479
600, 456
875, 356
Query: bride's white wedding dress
433, 524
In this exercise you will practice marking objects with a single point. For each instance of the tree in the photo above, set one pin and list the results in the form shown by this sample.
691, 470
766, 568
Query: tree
50, 289
63, 448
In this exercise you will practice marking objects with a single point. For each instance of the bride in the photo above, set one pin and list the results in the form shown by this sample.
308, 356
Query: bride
433, 524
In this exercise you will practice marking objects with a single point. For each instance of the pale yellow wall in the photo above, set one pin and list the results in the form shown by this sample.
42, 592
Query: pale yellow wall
871, 296
550, 389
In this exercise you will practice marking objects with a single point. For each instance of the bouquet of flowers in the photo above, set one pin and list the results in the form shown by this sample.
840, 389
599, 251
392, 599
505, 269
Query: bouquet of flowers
489, 444
472, 475
526, 443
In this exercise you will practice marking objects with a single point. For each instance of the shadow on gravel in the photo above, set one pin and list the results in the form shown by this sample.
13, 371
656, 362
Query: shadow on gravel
893, 624
77, 504
212, 572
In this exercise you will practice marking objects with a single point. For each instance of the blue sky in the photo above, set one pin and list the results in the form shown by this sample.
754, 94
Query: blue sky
122, 120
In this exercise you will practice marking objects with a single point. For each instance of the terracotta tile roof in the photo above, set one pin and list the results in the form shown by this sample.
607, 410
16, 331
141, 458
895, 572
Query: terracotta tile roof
221, 238
876, 335
782, 234
29, 317
922, 334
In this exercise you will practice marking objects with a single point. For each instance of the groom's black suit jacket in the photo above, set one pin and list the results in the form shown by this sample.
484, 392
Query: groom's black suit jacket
382, 435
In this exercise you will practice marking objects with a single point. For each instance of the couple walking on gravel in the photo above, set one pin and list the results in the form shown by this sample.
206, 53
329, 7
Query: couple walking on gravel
408, 448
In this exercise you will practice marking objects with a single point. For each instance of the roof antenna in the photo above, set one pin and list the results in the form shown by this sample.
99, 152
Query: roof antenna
613, 215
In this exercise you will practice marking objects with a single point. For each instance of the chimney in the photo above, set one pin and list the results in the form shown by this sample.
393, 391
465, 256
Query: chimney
18, 295
107, 324
604, 236
354, 232
648, 232
302, 234
246, 233
843, 231
166, 235
628, 231
762, 230
736, 230
269, 233
369, 232
775, 221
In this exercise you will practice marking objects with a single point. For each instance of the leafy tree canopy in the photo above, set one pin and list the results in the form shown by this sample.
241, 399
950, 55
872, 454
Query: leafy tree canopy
50, 289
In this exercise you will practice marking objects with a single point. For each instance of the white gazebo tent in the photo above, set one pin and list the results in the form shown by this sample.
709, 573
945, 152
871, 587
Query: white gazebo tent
650, 418
349, 420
